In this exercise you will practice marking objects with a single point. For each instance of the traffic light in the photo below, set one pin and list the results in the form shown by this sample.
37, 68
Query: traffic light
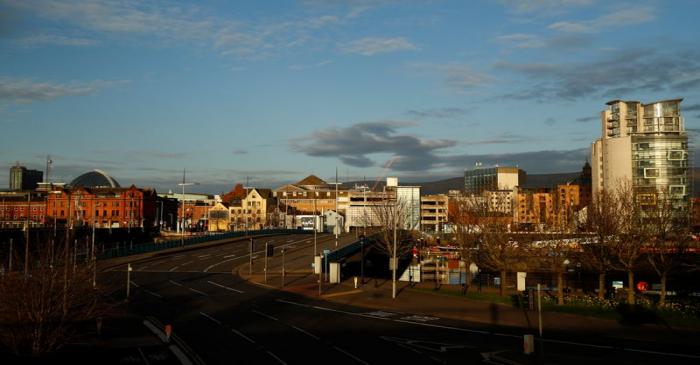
270, 250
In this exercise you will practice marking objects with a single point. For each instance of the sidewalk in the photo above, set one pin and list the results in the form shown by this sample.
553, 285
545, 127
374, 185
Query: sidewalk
423, 299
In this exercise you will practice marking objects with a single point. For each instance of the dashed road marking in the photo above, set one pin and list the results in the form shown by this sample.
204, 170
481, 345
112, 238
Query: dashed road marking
275, 357
239, 333
211, 318
265, 315
418, 318
306, 333
227, 256
198, 292
174, 283
154, 294
226, 287
350, 355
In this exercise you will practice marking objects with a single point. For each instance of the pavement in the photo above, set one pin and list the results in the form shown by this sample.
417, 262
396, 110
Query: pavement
423, 300
224, 311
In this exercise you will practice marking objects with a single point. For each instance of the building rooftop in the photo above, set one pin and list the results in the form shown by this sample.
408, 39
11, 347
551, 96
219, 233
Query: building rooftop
95, 179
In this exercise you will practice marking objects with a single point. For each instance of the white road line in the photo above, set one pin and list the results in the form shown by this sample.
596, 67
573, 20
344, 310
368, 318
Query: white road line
207, 255
225, 287
217, 264
154, 294
663, 353
450, 328
198, 292
178, 256
294, 303
275, 357
306, 333
495, 334
265, 315
175, 283
211, 318
134, 284
242, 335
227, 256
174, 268
351, 355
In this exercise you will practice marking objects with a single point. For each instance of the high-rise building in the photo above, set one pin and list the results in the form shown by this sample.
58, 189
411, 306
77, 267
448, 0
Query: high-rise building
492, 178
645, 145
22, 178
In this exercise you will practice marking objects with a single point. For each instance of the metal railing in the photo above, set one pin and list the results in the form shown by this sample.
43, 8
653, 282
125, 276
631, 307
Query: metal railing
178, 242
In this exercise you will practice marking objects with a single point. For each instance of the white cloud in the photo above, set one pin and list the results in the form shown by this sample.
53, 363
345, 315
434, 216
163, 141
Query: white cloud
27, 91
618, 18
520, 40
53, 39
543, 6
163, 23
370, 46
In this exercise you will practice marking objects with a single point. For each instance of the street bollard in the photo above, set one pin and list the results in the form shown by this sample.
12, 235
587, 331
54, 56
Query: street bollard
355, 280
528, 344
168, 332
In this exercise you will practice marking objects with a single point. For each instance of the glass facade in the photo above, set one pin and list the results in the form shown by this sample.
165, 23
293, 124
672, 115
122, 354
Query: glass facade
478, 180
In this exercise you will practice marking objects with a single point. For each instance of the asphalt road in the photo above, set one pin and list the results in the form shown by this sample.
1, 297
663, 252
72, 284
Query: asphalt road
225, 319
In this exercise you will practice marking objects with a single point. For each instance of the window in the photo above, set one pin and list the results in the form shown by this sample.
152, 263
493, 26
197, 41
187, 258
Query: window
650, 173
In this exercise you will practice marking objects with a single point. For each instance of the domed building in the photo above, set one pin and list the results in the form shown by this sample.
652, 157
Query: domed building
95, 179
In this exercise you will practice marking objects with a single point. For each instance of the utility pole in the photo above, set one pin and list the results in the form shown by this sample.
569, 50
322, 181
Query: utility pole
182, 219
336, 228
10, 264
26, 242
128, 280
393, 267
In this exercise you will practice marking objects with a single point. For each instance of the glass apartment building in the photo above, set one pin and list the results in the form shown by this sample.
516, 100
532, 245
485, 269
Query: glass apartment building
647, 145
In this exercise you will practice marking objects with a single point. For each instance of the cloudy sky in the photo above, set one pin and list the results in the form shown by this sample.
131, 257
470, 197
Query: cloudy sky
277, 90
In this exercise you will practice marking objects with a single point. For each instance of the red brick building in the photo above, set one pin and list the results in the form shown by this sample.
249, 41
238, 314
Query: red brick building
106, 207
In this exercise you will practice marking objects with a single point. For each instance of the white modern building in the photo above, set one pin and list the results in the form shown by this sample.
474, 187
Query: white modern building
647, 146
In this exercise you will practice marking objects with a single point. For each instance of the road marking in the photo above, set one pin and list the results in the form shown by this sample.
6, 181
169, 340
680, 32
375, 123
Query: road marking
381, 314
217, 264
211, 318
207, 255
175, 283
275, 357
663, 353
174, 268
227, 256
198, 292
242, 335
448, 327
154, 294
294, 303
184, 360
306, 333
351, 355
418, 318
225, 287
265, 315
134, 284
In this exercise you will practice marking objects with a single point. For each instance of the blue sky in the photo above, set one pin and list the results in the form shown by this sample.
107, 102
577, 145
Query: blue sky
277, 90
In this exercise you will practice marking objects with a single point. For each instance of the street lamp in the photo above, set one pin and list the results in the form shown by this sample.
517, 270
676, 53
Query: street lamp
94, 262
182, 219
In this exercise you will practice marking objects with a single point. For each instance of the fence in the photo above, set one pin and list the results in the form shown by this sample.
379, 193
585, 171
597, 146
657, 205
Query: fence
179, 242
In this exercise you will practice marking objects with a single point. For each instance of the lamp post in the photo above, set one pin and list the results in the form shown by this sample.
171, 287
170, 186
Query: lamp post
182, 219
26, 242
245, 212
94, 261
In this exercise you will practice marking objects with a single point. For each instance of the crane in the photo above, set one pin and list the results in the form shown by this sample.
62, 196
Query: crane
387, 165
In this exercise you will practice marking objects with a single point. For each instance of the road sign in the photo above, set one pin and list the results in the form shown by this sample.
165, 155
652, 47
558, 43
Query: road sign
642, 286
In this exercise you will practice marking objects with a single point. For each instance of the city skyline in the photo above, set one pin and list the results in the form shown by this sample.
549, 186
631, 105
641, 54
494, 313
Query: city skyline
278, 92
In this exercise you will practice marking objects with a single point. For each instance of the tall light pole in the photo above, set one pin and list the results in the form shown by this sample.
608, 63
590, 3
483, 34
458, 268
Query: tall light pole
26, 242
393, 267
94, 262
182, 219
245, 211
336, 229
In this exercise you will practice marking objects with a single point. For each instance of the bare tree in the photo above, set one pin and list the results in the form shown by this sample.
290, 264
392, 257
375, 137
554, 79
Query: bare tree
551, 254
394, 238
632, 234
668, 240
39, 313
604, 223
464, 219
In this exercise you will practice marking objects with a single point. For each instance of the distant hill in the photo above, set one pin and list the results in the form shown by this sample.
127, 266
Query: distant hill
533, 181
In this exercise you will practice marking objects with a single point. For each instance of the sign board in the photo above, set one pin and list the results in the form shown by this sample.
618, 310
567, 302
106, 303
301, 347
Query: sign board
307, 222
521, 280
617, 284
642, 286
392, 263
317, 265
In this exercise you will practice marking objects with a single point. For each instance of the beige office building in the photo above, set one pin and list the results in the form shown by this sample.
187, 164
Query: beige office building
647, 146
